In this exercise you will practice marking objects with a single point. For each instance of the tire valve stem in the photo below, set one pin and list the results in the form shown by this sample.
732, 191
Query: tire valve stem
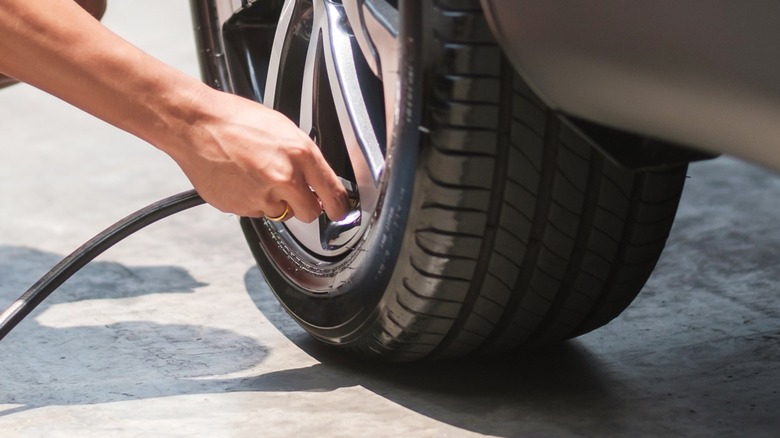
352, 193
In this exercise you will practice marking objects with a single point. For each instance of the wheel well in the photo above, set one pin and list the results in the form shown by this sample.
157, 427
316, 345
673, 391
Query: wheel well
637, 152
248, 38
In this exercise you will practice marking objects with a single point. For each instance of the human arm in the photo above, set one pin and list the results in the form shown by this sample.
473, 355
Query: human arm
240, 156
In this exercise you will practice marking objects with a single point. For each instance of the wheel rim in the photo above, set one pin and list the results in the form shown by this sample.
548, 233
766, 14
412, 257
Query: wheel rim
333, 70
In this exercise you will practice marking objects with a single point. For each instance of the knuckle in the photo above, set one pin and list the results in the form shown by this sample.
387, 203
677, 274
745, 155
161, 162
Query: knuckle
300, 152
281, 175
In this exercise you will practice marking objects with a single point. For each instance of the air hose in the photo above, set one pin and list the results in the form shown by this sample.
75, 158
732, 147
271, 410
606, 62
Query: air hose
91, 249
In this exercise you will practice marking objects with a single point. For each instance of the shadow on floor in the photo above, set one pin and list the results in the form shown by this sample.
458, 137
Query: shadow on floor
140, 359
717, 387
127, 360
556, 390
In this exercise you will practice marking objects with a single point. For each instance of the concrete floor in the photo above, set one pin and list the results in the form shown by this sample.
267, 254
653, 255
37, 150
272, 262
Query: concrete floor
174, 333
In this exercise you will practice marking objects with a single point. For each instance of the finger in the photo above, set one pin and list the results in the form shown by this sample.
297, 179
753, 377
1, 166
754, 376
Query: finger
285, 213
305, 203
330, 191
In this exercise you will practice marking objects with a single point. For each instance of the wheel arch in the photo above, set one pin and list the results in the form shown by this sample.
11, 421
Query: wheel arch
701, 74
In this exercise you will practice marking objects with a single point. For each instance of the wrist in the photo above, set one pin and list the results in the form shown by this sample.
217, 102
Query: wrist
179, 109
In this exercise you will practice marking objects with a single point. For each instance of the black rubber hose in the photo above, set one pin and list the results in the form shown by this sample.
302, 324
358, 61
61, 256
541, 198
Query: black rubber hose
109, 237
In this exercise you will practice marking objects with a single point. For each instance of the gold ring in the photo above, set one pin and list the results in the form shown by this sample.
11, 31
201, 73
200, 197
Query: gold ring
282, 216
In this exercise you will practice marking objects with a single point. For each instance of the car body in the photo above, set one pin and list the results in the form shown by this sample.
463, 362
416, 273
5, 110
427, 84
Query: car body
698, 73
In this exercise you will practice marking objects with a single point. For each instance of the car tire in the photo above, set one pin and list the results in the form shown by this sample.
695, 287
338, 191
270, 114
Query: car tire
492, 222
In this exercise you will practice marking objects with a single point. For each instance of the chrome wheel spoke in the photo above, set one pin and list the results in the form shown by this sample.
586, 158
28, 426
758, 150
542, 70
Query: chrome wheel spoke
275, 61
343, 61
310, 234
375, 26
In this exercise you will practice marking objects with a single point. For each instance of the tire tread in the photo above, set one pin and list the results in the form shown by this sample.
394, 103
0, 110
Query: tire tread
525, 234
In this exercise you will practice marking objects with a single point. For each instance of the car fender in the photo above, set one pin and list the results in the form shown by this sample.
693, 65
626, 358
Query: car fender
699, 73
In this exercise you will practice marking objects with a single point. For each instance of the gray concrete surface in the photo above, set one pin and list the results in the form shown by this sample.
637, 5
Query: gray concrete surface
174, 333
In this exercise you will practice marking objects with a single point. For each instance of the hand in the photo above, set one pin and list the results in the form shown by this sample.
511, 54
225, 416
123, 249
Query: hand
247, 159
241, 157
